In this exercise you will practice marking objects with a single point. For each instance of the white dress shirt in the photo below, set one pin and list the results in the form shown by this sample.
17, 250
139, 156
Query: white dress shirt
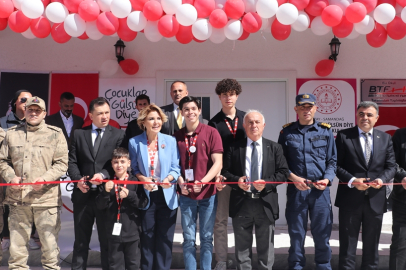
94, 133
248, 158
67, 122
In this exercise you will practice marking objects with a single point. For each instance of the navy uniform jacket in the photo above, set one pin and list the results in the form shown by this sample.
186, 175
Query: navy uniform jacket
312, 155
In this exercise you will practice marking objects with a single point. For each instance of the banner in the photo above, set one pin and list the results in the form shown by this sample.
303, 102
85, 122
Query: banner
121, 93
336, 100
11, 82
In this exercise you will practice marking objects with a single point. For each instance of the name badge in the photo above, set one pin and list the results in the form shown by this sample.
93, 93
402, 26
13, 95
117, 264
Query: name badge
117, 228
189, 175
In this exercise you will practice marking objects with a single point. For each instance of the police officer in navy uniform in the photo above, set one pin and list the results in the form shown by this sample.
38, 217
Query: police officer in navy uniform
311, 154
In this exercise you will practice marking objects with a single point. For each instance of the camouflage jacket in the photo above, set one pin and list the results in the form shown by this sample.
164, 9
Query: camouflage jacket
32, 152
2, 135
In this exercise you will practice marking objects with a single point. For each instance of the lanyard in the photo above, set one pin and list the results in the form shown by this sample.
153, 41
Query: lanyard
152, 156
119, 201
192, 148
235, 126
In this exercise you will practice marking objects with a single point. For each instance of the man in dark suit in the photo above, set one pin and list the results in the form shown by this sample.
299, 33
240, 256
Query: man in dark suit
65, 119
133, 129
90, 158
365, 160
251, 162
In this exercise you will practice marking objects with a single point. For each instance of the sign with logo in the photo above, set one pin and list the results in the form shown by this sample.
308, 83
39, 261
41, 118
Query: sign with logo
384, 91
336, 100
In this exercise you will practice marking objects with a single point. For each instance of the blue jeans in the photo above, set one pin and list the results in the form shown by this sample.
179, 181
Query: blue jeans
206, 209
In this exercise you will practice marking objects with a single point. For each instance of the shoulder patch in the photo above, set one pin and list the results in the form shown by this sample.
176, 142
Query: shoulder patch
286, 125
322, 124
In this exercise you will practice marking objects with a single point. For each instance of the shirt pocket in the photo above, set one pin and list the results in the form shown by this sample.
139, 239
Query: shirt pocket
319, 144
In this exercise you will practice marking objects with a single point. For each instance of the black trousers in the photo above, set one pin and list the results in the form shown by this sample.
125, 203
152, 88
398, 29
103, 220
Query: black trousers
397, 258
83, 218
350, 223
124, 256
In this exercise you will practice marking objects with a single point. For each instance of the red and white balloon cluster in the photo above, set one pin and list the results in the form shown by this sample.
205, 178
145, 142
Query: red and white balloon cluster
200, 20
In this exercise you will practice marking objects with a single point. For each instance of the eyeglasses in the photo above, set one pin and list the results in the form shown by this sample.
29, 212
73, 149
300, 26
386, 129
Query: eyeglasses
23, 100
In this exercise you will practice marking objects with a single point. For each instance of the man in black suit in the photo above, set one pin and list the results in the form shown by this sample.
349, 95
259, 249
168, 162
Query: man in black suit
133, 129
251, 162
90, 158
365, 160
65, 119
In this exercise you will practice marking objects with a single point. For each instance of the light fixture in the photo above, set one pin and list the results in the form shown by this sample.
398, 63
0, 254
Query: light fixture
335, 48
119, 50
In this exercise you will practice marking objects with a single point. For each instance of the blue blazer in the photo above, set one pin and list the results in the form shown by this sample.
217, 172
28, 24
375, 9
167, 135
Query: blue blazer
168, 154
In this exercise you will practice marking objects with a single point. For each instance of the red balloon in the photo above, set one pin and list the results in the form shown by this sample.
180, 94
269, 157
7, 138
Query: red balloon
198, 40
355, 12
378, 36
369, 4
107, 23
311, 19
40, 27
59, 34
138, 4
83, 36
244, 35
6, 8
316, 7
402, 3
332, 15
391, 2
324, 67
89, 10
280, 31
3, 24
129, 66
191, 2
124, 32
218, 18
45, 2
343, 29
281, 2
152, 10
18, 22
168, 26
184, 34
234, 8
251, 22
396, 29
300, 4
59, 1
204, 7
72, 5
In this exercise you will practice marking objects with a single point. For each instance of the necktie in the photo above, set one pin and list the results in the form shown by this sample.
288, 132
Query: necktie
97, 142
179, 119
254, 165
367, 147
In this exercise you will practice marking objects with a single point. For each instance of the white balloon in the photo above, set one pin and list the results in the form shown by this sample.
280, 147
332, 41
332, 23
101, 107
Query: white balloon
343, 4
403, 15
56, 12
354, 34
302, 23
270, 22
92, 31
28, 34
171, 6
104, 4
17, 3
365, 26
186, 15
233, 29
136, 21
202, 29
287, 14
151, 31
32, 8
265, 24
250, 5
384, 13
217, 35
121, 8
108, 68
267, 8
74, 25
318, 27
220, 3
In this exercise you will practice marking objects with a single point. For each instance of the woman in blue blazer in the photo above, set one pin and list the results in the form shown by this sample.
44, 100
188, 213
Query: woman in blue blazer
155, 158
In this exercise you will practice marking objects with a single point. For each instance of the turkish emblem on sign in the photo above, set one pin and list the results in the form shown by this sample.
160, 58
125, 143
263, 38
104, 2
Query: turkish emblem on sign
328, 98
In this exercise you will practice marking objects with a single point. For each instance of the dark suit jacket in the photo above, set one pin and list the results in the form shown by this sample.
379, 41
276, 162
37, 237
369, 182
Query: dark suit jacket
399, 146
171, 126
274, 169
56, 120
82, 161
351, 163
132, 130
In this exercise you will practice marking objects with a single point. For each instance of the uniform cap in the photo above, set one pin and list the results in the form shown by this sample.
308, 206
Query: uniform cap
36, 101
305, 98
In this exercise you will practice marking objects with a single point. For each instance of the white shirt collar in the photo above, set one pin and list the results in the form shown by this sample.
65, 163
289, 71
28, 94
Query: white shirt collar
64, 117
175, 107
360, 131
249, 141
94, 128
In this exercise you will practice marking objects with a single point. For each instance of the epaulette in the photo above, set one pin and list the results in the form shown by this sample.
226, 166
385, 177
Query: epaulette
286, 125
324, 125
54, 128
14, 127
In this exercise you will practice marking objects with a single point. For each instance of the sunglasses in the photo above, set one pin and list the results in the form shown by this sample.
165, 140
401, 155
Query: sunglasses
23, 100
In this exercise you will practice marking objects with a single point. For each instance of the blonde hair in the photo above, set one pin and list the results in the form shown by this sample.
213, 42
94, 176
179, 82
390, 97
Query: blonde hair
144, 113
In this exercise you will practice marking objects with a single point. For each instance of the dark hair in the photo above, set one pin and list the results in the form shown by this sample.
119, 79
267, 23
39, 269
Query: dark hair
367, 104
178, 81
100, 101
67, 96
120, 152
14, 100
228, 85
141, 97
188, 99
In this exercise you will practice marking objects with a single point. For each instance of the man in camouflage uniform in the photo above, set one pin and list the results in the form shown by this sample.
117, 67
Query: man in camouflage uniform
31, 153
2, 135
